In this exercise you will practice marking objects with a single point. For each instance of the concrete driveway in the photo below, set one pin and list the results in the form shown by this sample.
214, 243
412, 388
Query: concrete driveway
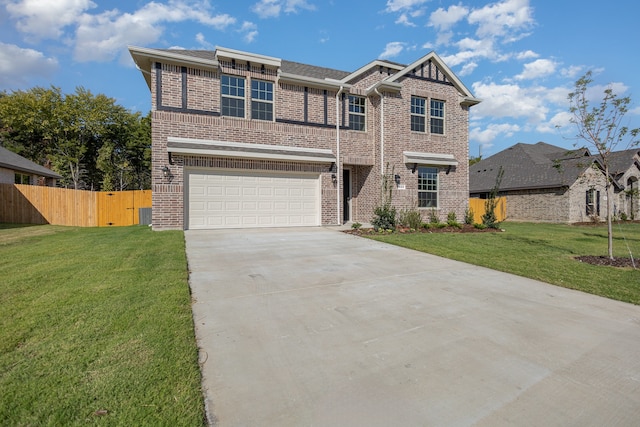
313, 327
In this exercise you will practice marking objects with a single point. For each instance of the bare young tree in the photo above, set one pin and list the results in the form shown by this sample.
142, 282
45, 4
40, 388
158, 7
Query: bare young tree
603, 129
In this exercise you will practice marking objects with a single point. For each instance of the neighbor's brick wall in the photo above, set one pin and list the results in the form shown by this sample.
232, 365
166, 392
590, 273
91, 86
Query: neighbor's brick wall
624, 202
577, 195
549, 205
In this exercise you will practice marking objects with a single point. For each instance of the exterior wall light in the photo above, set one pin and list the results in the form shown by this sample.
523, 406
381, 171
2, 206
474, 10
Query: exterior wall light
334, 178
166, 173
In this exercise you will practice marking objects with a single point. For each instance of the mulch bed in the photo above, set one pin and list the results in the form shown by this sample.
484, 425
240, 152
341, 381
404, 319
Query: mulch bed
468, 228
605, 260
464, 228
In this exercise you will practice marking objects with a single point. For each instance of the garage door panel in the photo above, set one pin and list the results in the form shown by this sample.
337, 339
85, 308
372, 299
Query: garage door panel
235, 199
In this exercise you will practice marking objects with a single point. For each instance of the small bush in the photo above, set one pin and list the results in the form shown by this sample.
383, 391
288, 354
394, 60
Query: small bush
356, 225
452, 221
480, 226
433, 217
410, 218
468, 216
623, 216
384, 218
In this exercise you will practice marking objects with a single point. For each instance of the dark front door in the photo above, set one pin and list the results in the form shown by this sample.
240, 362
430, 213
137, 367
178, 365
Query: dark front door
346, 195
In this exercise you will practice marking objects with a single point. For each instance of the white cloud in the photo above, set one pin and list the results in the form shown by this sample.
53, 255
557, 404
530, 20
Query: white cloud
467, 69
559, 122
18, 65
510, 100
399, 5
537, 68
491, 132
445, 19
273, 8
101, 37
528, 54
392, 49
250, 31
505, 19
572, 71
473, 49
403, 19
47, 18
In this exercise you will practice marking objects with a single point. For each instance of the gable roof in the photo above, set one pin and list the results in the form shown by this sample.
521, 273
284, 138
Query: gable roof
621, 161
13, 161
297, 72
530, 166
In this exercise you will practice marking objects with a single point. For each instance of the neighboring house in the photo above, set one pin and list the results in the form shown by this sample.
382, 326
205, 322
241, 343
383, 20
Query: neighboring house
546, 183
15, 169
247, 140
624, 166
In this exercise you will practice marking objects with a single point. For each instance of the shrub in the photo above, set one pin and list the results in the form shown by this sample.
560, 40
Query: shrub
384, 217
480, 226
410, 218
356, 225
468, 216
433, 217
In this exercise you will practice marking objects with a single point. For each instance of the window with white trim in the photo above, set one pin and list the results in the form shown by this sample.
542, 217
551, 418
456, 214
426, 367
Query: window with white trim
436, 117
232, 89
427, 187
593, 202
356, 112
418, 114
261, 100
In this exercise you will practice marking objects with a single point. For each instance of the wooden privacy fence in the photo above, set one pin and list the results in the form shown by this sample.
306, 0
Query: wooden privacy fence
30, 204
477, 205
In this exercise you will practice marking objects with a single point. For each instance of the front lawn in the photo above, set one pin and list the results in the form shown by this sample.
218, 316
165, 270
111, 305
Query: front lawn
96, 328
541, 251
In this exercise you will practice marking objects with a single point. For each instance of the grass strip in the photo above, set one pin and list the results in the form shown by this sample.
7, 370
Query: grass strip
543, 252
96, 327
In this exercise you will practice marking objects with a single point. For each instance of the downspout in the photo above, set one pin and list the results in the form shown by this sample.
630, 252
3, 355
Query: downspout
375, 89
339, 220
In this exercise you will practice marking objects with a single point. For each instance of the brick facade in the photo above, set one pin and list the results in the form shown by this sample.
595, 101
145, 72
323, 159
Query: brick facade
309, 113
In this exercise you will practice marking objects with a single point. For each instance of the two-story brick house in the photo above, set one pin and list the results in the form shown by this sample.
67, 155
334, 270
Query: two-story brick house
247, 140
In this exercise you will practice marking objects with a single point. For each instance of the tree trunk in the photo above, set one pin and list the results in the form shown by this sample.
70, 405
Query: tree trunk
609, 219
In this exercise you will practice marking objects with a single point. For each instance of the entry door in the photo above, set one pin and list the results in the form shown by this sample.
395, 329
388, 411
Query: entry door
346, 195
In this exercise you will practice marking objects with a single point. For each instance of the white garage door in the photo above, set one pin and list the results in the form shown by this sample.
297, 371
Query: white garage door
244, 199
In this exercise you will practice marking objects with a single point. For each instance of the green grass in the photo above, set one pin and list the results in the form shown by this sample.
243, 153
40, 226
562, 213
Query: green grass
93, 320
542, 251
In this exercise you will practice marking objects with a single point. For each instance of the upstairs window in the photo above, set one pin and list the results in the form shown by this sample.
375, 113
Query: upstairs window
418, 114
232, 96
261, 100
427, 187
356, 112
436, 116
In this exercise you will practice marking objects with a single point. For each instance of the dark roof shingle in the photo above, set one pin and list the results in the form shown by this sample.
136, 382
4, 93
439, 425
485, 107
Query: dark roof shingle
11, 160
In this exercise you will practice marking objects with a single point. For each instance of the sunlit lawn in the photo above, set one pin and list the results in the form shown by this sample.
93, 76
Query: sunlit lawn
96, 328
542, 251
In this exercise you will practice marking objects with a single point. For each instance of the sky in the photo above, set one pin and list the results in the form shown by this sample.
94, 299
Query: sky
521, 57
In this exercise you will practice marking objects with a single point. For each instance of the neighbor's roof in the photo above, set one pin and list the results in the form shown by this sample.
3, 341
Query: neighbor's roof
13, 161
530, 166
621, 161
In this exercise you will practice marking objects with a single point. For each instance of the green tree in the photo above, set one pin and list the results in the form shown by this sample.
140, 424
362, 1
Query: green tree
602, 128
89, 139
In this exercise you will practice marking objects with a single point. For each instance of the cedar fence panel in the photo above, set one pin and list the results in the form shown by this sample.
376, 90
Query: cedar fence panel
30, 204
117, 208
477, 205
